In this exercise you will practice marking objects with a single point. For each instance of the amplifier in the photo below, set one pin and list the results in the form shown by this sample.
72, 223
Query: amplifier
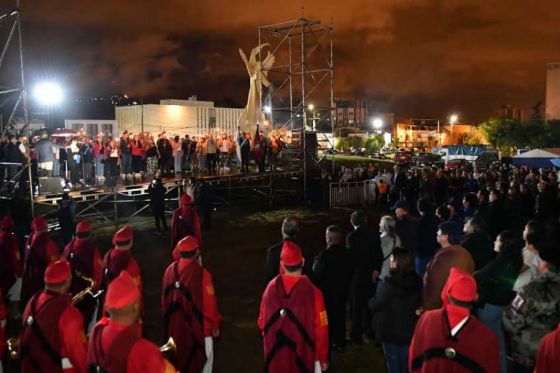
50, 185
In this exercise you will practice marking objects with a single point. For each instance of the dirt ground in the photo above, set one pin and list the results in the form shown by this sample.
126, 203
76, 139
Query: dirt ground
234, 253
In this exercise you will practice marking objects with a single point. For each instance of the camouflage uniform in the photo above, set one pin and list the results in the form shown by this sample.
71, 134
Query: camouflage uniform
533, 313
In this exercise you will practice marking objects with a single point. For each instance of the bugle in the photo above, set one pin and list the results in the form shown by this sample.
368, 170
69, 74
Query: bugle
169, 345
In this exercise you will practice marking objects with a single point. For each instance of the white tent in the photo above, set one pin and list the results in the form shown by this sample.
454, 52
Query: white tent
536, 158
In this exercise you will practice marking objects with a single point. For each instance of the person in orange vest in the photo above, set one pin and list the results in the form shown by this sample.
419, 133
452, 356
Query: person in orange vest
293, 320
190, 309
548, 357
120, 258
52, 337
10, 260
185, 222
85, 259
40, 250
116, 343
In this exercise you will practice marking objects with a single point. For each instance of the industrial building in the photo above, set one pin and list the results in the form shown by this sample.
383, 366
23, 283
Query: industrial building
552, 110
178, 117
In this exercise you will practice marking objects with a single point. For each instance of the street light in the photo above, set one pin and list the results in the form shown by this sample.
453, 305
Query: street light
48, 93
377, 123
310, 107
453, 118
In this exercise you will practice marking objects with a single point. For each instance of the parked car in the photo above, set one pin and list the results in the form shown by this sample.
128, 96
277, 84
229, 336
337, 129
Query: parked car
429, 159
458, 163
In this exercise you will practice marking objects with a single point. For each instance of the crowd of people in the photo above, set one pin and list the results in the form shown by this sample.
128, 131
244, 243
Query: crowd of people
91, 160
465, 276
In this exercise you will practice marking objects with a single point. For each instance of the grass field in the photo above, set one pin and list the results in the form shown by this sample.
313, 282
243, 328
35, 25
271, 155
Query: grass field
355, 161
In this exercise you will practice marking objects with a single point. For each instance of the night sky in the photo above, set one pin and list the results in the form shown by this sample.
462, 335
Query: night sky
414, 58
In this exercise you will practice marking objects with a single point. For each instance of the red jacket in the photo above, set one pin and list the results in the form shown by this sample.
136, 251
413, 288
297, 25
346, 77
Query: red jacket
190, 311
137, 148
66, 336
117, 345
85, 259
316, 328
10, 261
40, 251
185, 222
3, 317
433, 349
548, 357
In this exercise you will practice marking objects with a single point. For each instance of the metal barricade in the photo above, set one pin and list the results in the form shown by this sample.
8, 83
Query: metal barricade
352, 193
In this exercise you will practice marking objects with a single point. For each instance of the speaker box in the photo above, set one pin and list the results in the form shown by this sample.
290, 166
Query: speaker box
50, 185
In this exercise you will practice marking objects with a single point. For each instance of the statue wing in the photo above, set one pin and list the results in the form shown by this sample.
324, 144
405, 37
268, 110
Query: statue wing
268, 62
256, 51
243, 56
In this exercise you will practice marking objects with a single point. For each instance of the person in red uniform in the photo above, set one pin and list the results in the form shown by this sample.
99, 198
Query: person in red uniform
185, 222
3, 318
120, 258
85, 259
451, 339
40, 250
10, 261
52, 337
292, 319
190, 310
548, 357
116, 343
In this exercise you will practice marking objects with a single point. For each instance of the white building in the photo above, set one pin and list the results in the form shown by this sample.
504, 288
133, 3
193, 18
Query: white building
93, 126
178, 117
552, 110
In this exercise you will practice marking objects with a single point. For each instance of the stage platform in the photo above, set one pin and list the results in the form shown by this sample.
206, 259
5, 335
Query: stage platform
136, 187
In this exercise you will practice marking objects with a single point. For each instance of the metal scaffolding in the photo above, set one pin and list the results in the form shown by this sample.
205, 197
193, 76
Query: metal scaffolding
15, 91
303, 75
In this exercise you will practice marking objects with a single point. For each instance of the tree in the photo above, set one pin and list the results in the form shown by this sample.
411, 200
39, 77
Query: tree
374, 144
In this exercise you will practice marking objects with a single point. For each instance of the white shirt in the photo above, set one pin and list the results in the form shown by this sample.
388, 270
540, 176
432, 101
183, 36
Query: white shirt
458, 327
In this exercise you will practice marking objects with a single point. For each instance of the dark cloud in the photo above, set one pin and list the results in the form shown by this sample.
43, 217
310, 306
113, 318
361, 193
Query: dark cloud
422, 58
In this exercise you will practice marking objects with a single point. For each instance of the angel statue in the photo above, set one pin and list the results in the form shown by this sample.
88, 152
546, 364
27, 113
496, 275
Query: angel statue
258, 74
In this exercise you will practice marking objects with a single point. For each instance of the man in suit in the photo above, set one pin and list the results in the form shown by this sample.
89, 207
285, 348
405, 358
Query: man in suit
289, 231
365, 249
332, 270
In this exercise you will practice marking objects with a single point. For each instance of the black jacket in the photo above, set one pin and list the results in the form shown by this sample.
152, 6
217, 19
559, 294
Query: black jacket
365, 249
480, 247
272, 264
495, 281
157, 192
427, 243
407, 230
332, 271
395, 308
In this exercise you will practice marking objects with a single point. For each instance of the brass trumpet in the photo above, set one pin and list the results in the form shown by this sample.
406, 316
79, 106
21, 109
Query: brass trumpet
13, 348
169, 345
88, 290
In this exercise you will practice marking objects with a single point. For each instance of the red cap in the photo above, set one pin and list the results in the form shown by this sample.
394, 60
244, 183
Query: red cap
122, 291
57, 272
185, 199
7, 223
461, 285
189, 243
39, 223
291, 254
123, 235
84, 226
